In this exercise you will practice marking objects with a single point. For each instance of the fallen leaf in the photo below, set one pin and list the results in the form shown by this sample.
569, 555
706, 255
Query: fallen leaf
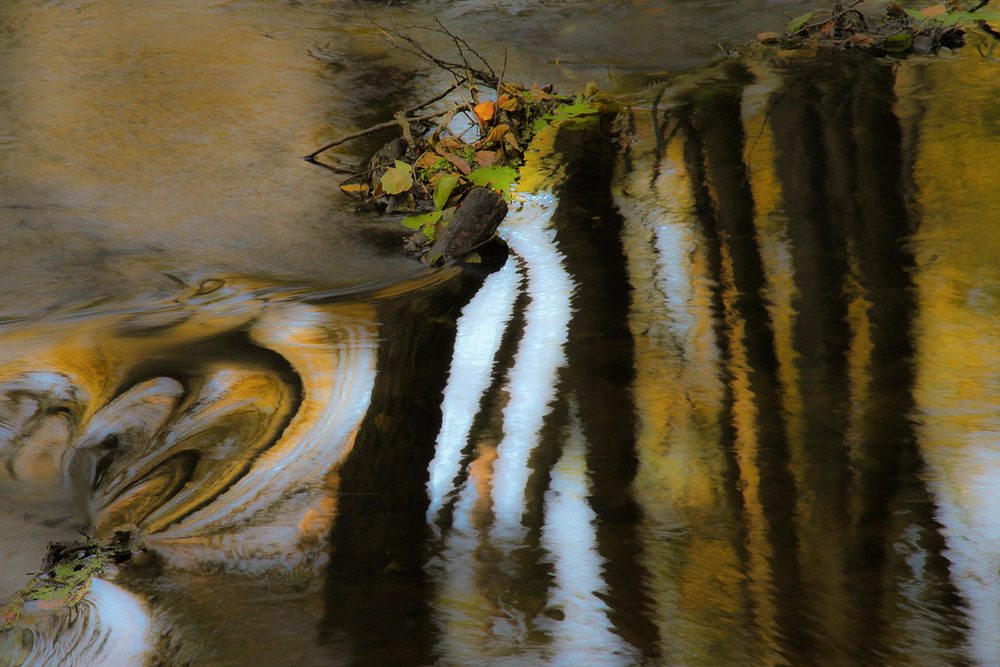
511, 141
496, 133
396, 179
426, 161
459, 163
451, 144
898, 43
537, 93
828, 29
418, 221
798, 22
507, 103
498, 178
936, 10
768, 37
484, 110
354, 187
443, 189
485, 158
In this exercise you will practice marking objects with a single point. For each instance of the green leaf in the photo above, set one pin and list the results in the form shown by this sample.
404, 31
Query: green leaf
443, 188
897, 43
397, 179
498, 178
418, 221
951, 18
798, 22
578, 109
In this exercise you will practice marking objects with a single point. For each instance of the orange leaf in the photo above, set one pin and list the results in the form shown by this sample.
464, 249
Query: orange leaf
507, 103
484, 110
936, 10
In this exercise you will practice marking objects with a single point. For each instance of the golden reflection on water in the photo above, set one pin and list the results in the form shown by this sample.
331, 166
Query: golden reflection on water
956, 394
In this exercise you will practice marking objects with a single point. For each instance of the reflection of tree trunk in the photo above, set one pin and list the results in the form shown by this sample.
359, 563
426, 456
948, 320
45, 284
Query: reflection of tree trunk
839, 166
820, 336
377, 588
763, 454
694, 161
887, 460
600, 372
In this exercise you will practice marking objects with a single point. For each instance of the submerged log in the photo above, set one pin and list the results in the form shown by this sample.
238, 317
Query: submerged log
474, 224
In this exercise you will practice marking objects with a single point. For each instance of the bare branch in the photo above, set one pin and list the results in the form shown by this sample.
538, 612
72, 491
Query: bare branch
376, 128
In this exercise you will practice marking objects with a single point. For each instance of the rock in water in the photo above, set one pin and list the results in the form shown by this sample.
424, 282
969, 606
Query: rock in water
474, 224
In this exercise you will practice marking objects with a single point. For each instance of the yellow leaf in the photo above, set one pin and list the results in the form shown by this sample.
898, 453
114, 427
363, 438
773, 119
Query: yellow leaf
396, 180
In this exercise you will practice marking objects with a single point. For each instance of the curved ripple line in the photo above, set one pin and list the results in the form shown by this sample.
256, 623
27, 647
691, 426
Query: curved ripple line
335, 358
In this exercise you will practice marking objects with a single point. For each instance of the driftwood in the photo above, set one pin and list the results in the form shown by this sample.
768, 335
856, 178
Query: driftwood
474, 224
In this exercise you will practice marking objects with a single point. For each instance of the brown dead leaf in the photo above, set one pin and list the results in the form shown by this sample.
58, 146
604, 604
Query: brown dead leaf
485, 158
828, 29
511, 141
768, 37
426, 161
496, 134
459, 163
451, 144
538, 94
936, 10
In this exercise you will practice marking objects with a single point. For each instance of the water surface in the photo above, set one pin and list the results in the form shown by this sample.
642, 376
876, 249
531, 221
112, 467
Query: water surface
730, 400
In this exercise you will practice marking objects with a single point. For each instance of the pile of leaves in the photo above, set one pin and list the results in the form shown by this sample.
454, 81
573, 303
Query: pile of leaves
66, 573
897, 32
428, 171
431, 174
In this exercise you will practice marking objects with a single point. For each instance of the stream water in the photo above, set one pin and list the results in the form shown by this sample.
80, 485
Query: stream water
732, 399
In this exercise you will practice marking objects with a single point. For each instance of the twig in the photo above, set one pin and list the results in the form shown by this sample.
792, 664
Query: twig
468, 105
807, 28
396, 35
459, 42
503, 70
376, 128
413, 110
